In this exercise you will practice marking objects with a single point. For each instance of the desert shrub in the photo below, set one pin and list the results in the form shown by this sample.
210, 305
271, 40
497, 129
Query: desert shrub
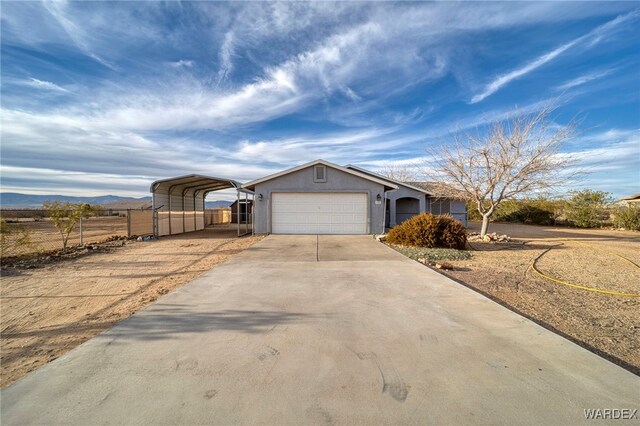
452, 233
587, 208
627, 217
538, 211
427, 230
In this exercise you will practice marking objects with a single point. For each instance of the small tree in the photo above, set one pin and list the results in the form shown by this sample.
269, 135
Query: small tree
586, 208
514, 157
65, 216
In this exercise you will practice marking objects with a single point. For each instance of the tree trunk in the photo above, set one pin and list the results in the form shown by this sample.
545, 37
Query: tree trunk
485, 225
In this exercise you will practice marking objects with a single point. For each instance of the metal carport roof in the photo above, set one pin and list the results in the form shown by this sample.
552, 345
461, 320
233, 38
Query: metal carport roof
183, 197
196, 183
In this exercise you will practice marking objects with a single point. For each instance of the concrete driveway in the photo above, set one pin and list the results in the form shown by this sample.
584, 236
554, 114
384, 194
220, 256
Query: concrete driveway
315, 330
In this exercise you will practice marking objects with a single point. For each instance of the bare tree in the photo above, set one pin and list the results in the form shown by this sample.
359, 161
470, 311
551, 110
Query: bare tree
517, 156
399, 172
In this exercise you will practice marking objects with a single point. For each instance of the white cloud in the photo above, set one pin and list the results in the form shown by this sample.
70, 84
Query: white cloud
594, 35
584, 79
44, 85
182, 63
74, 31
226, 52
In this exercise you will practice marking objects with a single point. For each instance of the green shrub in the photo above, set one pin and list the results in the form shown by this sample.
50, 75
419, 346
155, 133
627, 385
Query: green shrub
627, 217
538, 211
427, 230
587, 208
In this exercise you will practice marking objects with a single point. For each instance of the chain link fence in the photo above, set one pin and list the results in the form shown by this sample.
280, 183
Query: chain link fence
31, 231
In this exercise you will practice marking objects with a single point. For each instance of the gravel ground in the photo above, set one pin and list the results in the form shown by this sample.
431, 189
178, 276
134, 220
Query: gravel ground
606, 324
49, 310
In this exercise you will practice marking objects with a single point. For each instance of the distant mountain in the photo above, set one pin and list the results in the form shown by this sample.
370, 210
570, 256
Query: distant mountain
14, 200
217, 204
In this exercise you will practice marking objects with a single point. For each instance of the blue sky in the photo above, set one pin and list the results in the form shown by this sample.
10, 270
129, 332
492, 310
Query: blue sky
103, 98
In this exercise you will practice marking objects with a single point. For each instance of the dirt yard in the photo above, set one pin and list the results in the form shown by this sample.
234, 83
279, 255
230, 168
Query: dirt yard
51, 309
606, 324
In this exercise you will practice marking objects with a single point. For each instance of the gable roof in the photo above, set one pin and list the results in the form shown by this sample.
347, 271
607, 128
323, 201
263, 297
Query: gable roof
441, 190
396, 182
631, 197
387, 184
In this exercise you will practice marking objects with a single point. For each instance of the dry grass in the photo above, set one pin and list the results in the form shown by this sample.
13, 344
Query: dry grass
49, 310
606, 324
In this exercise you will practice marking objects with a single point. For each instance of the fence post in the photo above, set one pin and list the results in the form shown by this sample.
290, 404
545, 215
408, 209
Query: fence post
81, 230
129, 222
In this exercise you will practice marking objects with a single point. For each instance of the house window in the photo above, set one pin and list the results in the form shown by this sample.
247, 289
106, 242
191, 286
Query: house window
319, 174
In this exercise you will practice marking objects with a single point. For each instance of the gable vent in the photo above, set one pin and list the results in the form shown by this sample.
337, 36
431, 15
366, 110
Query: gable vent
319, 173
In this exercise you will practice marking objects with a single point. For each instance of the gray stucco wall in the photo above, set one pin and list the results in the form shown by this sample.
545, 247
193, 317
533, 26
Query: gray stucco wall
302, 181
403, 192
456, 208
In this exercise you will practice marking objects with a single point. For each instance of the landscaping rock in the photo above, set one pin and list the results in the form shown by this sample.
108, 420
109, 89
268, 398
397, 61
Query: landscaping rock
444, 265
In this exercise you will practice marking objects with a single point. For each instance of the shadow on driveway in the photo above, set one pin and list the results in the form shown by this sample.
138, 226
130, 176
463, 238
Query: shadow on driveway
169, 321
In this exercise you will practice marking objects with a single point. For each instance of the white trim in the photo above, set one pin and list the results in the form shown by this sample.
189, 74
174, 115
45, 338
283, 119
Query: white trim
385, 182
365, 171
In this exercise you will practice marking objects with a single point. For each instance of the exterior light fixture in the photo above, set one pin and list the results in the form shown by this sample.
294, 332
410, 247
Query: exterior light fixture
259, 197
378, 197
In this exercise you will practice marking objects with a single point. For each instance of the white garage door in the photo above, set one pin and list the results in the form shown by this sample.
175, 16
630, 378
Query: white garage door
319, 213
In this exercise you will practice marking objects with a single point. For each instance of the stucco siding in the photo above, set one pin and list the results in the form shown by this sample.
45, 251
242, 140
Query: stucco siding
302, 181
404, 192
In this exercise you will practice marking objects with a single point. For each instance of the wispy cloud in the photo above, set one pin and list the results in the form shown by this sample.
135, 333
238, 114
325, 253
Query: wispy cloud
584, 79
226, 52
182, 63
74, 31
44, 85
594, 36
247, 89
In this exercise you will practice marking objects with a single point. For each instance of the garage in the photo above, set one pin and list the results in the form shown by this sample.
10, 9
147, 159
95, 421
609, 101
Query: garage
319, 198
319, 213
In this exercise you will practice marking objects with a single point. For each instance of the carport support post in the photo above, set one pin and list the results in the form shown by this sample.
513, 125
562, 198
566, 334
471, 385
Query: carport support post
246, 213
237, 212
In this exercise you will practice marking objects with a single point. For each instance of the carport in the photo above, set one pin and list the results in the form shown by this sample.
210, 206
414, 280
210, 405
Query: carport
179, 203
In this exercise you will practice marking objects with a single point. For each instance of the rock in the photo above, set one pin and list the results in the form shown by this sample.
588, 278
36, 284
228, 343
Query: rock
444, 265
139, 239
382, 237
486, 238
422, 260
609, 322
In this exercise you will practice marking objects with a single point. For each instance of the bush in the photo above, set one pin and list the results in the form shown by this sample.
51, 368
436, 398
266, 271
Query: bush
587, 208
427, 230
627, 217
538, 211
